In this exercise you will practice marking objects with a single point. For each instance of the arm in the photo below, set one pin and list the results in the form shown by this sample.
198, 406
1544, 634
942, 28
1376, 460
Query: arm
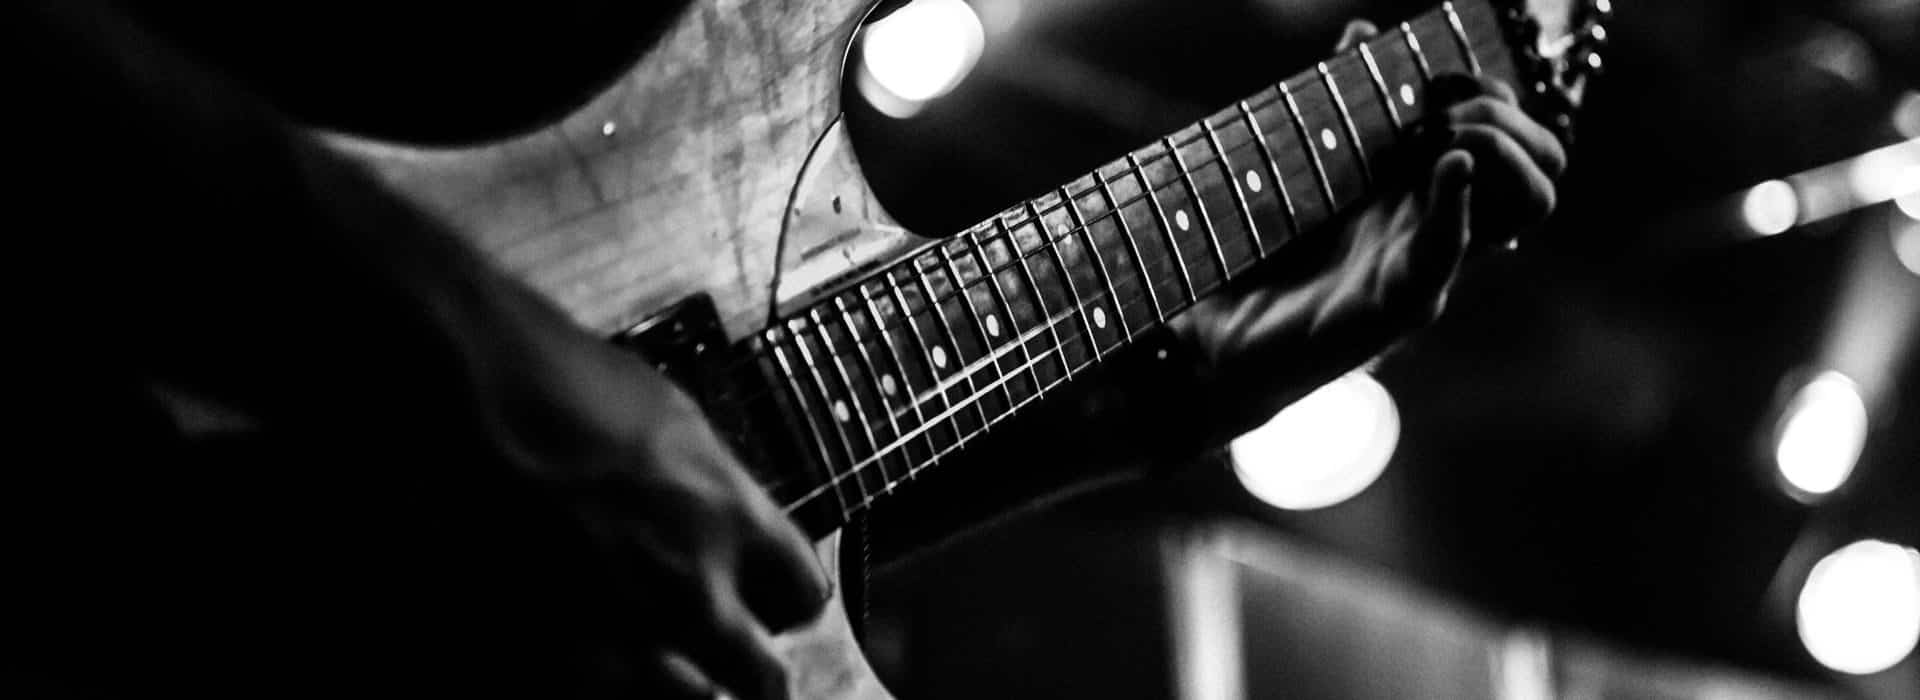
259, 272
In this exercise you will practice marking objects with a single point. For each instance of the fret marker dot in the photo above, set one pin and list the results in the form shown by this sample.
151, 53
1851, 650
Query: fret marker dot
1100, 317
608, 128
1253, 181
840, 411
1328, 139
887, 385
940, 357
1180, 219
1406, 94
993, 326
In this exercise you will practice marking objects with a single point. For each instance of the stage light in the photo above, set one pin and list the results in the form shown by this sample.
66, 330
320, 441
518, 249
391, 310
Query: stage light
1859, 611
1771, 207
1323, 449
1878, 176
1821, 434
918, 53
1906, 245
1906, 115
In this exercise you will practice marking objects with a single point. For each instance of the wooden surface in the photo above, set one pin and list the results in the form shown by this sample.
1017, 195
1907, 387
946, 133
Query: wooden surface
672, 181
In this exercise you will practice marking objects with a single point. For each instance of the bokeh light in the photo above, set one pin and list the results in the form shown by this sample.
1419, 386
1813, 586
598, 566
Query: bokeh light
1878, 176
1859, 612
1771, 207
1821, 434
1906, 245
1906, 115
918, 53
1323, 449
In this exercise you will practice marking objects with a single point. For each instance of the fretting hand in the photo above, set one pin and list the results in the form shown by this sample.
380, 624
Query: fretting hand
1388, 267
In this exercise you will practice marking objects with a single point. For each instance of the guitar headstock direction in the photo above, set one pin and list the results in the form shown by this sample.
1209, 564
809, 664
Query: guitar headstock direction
1560, 47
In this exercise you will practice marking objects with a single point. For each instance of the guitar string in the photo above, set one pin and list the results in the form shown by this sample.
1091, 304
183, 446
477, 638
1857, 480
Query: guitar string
1160, 254
1155, 152
1058, 351
878, 455
954, 407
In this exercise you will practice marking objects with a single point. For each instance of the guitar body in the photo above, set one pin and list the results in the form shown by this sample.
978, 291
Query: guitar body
676, 181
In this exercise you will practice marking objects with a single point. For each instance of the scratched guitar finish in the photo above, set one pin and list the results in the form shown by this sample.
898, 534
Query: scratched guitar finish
718, 168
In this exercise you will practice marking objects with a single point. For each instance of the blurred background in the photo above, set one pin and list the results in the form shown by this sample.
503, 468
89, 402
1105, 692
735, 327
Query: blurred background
1668, 449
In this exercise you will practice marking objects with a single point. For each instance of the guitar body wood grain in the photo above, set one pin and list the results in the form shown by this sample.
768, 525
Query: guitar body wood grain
674, 181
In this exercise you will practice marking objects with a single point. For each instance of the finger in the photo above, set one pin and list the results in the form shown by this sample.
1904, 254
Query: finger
666, 674
1498, 88
735, 652
1430, 260
1520, 185
781, 578
1355, 32
1536, 140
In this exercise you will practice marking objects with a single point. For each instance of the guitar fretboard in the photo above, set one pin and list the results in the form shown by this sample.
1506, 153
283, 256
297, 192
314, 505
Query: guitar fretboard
907, 366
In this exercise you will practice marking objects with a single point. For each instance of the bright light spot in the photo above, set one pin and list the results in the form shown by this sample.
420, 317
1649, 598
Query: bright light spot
1881, 175
1909, 205
1906, 115
918, 53
1821, 434
1860, 610
1771, 207
1906, 246
608, 128
1324, 448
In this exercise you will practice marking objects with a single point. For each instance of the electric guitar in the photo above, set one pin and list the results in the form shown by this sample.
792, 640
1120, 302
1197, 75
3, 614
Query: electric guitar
708, 211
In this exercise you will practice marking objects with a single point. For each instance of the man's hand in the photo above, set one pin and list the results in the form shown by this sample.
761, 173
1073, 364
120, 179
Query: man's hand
705, 568
1388, 268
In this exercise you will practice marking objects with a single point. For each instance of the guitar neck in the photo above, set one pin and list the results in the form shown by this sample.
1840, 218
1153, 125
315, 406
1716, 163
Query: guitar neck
905, 367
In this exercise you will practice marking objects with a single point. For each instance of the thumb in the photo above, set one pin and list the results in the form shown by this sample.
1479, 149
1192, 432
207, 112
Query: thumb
1431, 260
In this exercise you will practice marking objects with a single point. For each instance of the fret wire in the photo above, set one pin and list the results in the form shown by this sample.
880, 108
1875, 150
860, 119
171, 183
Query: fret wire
1066, 275
946, 327
826, 398
806, 414
1033, 284
979, 366
1000, 293
1099, 263
1199, 205
1460, 35
868, 502
1346, 120
973, 313
919, 339
1380, 87
1419, 57
1233, 182
1306, 144
1273, 167
886, 401
1133, 246
1058, 350
1166, 229
853, 395
906, 378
